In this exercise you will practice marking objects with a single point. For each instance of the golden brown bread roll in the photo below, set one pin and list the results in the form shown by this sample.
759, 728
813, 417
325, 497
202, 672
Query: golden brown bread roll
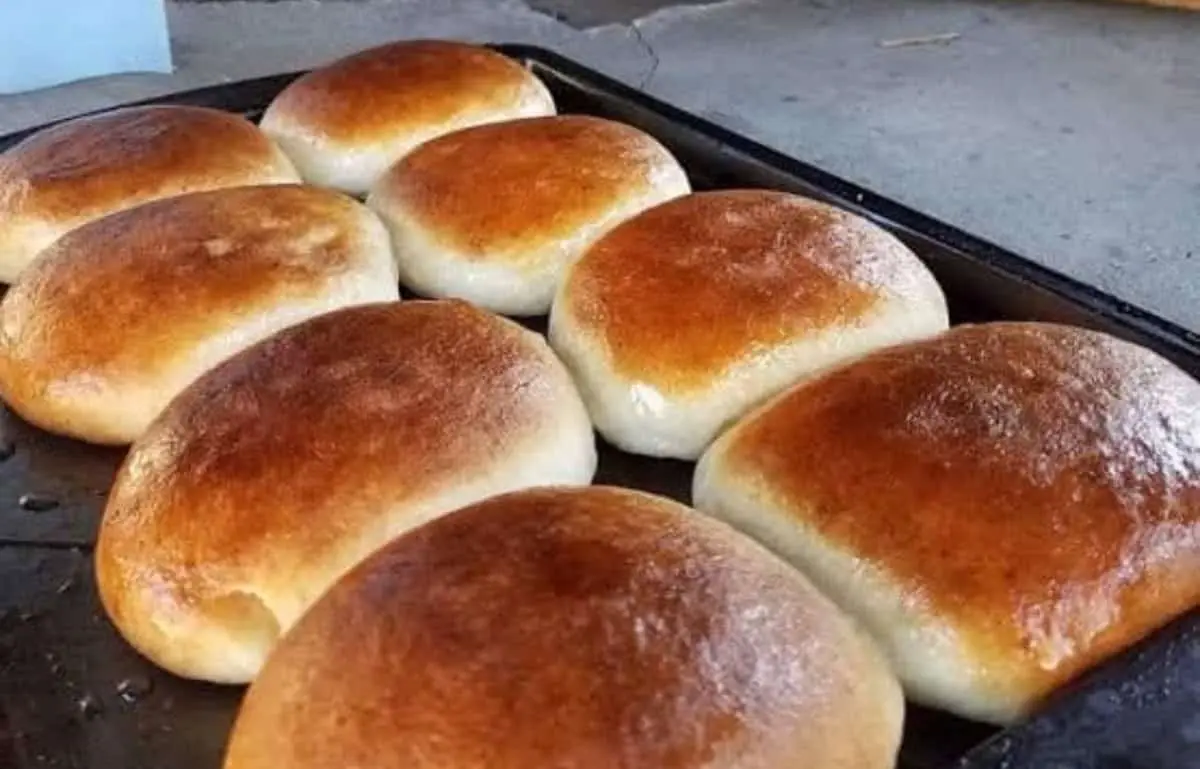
119, 315
684, 317
80, 170
495, 214
1002, 506
343, 124
284, 466
591, 627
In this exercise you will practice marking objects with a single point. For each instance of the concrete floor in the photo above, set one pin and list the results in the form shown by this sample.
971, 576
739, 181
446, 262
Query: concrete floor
1067, 131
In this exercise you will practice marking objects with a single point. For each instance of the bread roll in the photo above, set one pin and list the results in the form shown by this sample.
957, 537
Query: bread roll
287, 464
593, 627
81, 170
681, 319
495, 214
345, 123
1002, 506
119, 315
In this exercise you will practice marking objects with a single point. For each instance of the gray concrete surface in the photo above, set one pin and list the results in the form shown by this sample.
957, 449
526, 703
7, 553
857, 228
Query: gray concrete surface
1067, 131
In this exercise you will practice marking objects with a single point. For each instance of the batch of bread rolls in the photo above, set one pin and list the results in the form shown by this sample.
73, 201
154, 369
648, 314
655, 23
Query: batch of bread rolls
378, 512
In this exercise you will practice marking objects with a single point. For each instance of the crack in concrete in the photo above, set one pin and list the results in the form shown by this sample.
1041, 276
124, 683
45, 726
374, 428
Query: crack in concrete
687, 11
644, 12
632, 27
636, 29
629, 17
587, 14
659, 15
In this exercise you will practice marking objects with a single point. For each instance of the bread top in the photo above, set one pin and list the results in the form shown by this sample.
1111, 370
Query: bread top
685, 290
508, 189
90, 166
1037, 486
128, 296
318, 431
371, 96
586, 627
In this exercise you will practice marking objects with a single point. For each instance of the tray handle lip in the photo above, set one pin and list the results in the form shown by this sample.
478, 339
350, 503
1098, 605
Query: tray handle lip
1184, 342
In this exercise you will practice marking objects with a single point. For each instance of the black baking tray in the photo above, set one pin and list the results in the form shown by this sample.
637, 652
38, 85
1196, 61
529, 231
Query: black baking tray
72, 694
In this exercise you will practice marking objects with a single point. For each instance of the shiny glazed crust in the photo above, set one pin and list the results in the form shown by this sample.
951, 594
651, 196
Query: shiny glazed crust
682, 318
77, 171
406, 86
1003, 506
343, 124
495, 214
287, 464
119, 315
591, 627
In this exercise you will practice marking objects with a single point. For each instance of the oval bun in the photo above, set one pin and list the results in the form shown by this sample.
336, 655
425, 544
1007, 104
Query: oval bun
1003, 506
680, 320
118, 316
495, 214
83, 169
343, 124
287, 464
593, 627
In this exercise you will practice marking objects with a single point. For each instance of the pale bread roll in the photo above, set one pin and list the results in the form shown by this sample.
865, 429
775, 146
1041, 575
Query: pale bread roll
495, 214
287, 464
343, 124
83, 169
592, 627
1002, 507
118, 316
680, 320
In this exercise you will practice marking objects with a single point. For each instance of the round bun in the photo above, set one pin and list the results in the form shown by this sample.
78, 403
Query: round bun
1002, 506
345, 123
118, 316
86, 168
289, 463
591, 627
683, 318
495, 214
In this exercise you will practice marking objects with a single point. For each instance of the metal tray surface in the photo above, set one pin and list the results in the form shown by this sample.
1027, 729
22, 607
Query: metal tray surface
72, 694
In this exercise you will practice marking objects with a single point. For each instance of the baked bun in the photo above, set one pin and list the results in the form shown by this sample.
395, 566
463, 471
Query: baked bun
1002, 506
495, 214
287, 464
345, 123
86, 168
681, 319
593, 627
118, 316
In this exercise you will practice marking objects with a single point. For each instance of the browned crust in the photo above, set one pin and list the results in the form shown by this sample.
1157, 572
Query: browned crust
684, 290
403, 86
312, 433
591, 627
1037, 486
93, 165
515, 186
125, 296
